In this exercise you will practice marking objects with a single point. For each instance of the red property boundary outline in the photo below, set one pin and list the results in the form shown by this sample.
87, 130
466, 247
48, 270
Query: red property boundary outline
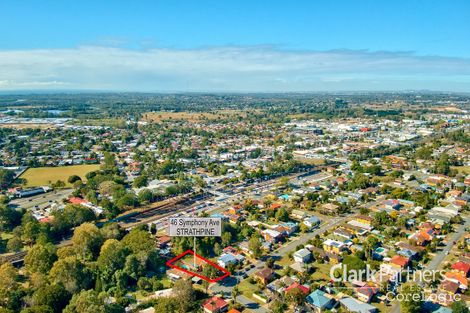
170, 264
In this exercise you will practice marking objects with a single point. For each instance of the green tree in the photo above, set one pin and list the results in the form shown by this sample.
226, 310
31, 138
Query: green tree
138, 241
111, 231
145, 196
9, 218
282, 215
255, 246
184, 293
40, 258
226, 238
295, 296
412, 298
31, 231
167, 305
278, 306
87, 301
109, 162
35, 309
140, 181
71, 273
112, 258
442, 166
369, 245
127, 201
353, 263
74, 178
87, 240
53, 296
459, 307
15, 244
6, 178
8, 283
235, 293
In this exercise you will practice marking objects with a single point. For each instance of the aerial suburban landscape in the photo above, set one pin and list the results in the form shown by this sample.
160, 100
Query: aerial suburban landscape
305, 188
207, 156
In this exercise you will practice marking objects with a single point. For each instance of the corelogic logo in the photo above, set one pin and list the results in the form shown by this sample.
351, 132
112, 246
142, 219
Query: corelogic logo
341, 273
421, 296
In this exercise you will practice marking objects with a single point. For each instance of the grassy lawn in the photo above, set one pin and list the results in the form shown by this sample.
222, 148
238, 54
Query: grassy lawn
41, 176
285, 261
192, 116
462, 169
322, 271
113, 122
247, 289
311, 161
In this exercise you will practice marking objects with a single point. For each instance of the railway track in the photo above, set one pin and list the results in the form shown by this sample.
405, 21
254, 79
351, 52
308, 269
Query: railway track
14, 258
164, 211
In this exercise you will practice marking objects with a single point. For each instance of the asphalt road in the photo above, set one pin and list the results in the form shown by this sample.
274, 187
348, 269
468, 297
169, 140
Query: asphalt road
42, 199
440, 256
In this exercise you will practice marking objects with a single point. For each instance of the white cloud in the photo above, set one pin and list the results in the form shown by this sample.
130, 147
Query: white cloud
258, 68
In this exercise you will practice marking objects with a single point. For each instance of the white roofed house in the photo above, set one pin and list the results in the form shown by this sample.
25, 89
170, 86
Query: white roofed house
302, 256
311, 221
271, 235
228, 258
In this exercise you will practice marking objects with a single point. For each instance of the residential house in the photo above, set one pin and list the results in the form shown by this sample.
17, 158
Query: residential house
163, 241
215, 305
461, 267
458, 278
399, 261
279, 285
311, 221
343, 232
422, 237
333, 246
271, 235
302, 256
287, 228
329, 208
226, 259
265, 275
304, 289
364, 219
446, 292
299, 214
320, 301
354, 305
366, 293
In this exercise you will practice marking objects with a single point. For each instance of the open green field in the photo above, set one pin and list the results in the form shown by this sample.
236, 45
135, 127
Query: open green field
462, 169
310, 161
42, 176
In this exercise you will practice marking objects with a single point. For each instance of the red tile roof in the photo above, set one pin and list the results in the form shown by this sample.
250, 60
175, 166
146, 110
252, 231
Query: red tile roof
399, 260
77, 200
215, 303
462, 267
302, 288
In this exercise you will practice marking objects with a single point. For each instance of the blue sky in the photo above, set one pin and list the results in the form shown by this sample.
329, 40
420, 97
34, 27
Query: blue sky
235, 45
